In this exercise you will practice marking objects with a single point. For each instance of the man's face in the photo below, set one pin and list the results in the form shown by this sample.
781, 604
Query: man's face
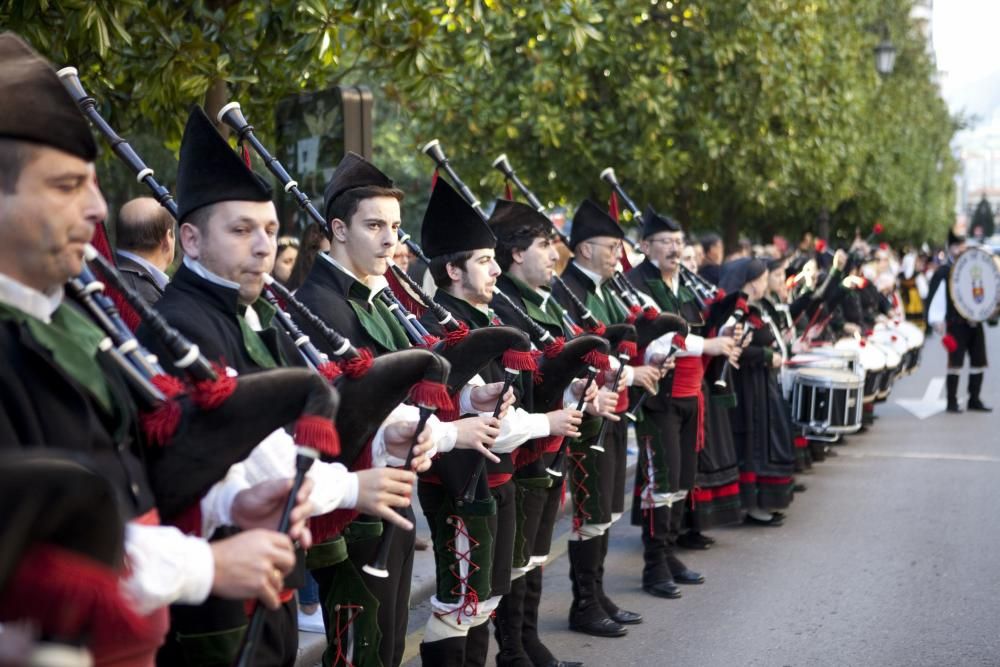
757, 287
688, 258
475, 282
238, 243
537, 263
283, 264
716, 253
47, 220
369, 241
664, 250
604, 251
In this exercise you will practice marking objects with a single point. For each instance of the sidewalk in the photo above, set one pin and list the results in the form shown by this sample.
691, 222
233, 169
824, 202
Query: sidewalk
311, 644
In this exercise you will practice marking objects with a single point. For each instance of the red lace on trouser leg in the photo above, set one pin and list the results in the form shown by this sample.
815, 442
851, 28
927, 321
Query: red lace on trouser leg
649, 473
462, 590
578, 476
344, 615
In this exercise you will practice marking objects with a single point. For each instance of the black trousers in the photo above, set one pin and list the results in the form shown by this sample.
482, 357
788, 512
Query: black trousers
971, 340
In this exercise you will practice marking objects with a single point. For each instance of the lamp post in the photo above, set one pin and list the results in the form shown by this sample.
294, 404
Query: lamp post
885, 57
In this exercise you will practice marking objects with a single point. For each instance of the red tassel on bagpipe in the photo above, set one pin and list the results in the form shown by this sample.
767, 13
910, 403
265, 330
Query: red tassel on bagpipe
518, 360
452, 338
359, 365
404, 295
431, 395
429, 341
160, 424
755, 322
598, 360
650, 313
629, 348
555, 348
317, 432
949, 343
210, 394
599, 329
330, 371
633, 314
576, 330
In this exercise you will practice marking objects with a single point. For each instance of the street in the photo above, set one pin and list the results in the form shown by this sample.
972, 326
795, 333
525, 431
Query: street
889, 558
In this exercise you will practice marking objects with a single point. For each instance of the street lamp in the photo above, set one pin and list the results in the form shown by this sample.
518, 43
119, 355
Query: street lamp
885, 57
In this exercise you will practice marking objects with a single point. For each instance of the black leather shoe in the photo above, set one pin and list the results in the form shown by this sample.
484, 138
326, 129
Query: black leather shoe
978, 406
780, 516
623, 617
774, 521
800, 488
694, 541
604, 627
688, 577
663, 589
953, 408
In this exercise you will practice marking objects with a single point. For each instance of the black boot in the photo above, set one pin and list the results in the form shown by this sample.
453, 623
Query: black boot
508, 623
975, 386
678, 570
586, 614
614, 613
952, 385
656, 578
477, 645
443, 653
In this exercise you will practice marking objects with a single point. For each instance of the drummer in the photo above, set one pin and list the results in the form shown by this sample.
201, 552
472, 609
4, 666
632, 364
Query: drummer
959, 335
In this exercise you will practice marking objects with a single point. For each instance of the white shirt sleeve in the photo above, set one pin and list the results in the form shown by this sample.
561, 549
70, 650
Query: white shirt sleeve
165, 567
216, 505
274, 458
694, 344
938, 309
465, 396
661, 346
517, 427
443, 436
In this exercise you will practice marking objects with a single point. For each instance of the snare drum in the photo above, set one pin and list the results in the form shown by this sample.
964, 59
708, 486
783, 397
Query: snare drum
893, 366
827, 401
806, 360
872, 362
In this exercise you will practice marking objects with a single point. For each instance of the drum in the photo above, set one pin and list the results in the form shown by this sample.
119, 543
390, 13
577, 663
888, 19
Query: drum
915, 335
974, 285
827, 401
903, 340
872, 362
806, 360
893, 365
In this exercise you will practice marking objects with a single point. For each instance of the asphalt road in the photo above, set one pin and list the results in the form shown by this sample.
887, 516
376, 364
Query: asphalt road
892, 557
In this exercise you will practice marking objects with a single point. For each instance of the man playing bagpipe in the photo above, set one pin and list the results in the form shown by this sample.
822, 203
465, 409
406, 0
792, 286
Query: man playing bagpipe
461, 248
63, 387
597, 480
673, 430
344, 289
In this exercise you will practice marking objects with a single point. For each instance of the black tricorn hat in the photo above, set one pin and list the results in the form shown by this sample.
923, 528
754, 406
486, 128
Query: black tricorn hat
653, 222
353, 172
509, 215
210, 171
34, 104
451, 224
590, 221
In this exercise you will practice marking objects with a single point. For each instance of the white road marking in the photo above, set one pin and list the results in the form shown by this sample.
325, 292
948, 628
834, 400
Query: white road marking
926, 456
930, 404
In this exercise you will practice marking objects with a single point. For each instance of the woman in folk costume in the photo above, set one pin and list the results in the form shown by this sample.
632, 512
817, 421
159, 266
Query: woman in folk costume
761, 427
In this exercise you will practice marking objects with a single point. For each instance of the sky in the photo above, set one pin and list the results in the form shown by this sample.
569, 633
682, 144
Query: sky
965, 34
